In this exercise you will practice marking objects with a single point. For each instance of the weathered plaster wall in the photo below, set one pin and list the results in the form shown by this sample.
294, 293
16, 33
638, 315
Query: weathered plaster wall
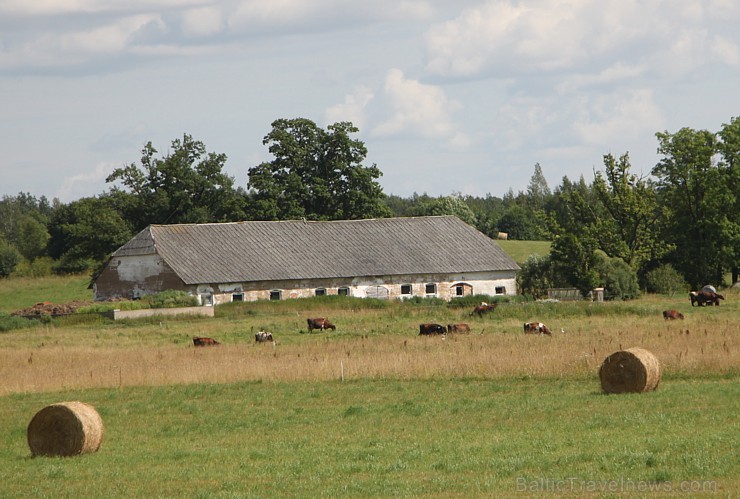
132, 277
391, 286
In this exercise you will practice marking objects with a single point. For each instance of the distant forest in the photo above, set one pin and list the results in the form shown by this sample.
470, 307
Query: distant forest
679, 228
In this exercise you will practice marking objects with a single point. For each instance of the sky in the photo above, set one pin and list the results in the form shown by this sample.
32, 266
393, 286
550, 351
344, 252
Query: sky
449, 97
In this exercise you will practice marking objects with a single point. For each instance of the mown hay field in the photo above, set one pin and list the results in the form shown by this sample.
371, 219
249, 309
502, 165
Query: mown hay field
373, 409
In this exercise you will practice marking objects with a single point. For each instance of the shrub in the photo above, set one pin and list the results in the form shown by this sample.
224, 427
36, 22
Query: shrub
536, 276
10, 322
40, 267
72, 265
170, 299
471, 301
618, 278
9, 258
665, 280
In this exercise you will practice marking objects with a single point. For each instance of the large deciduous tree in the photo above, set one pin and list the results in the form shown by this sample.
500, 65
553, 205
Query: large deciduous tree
702, 222
729, 148
315, 174
629, 225
85, 232
187, 185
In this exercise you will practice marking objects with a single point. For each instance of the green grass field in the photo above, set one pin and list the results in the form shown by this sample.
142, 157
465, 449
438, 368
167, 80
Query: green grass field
520, 250
439, 438
374, 410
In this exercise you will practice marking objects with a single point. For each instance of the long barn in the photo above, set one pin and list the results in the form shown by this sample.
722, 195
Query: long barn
245, 261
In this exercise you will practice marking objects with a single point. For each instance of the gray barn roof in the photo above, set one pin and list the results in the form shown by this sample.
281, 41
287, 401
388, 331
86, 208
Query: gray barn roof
267, 251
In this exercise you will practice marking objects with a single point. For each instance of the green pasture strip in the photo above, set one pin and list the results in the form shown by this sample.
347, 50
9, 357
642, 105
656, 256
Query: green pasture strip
237, 322
22, 292
443, 438
519, 251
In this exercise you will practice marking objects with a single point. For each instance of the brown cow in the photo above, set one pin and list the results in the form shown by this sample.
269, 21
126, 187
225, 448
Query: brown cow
262, 337
672, 315
709, 298
320, 323
458, 328
483, 308
426, 329
702, 298
199, 341
536, 328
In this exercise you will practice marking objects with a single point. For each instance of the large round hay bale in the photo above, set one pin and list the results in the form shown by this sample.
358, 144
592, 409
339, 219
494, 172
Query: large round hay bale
632, 370
65, 429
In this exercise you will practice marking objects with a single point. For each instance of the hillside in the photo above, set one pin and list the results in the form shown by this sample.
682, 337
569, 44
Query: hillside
520, 250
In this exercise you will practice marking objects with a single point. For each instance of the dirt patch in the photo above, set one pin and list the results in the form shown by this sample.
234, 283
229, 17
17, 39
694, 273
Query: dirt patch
46, 308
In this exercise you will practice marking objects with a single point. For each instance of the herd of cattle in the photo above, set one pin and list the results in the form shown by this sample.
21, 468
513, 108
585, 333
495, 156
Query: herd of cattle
322, 324
699, 298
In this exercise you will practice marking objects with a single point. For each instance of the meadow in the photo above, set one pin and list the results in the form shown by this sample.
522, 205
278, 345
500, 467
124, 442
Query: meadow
373, 409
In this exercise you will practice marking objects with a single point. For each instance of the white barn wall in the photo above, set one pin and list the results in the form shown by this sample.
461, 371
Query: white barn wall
360, 287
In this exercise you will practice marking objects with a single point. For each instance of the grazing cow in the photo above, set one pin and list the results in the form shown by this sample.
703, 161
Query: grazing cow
426, 329
536, 328
672, 315
458, 328
709, 298
483, 308
320, 323
694, 297
262, 336
204, 342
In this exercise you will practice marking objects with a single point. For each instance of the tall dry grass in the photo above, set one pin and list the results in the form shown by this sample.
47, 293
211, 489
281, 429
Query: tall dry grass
703, 344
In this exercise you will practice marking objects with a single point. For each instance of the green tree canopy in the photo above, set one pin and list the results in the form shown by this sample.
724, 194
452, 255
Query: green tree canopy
629, 225
9, 258
729, 148
574, 257
698, 192
187, 185
315, 174
538, 192
446, 205
85, 232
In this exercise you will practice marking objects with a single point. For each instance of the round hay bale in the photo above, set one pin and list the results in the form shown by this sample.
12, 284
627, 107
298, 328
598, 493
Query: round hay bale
633, 370
65, 429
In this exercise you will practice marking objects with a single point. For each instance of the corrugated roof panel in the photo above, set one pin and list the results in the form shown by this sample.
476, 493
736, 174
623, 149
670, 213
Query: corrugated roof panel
266, 251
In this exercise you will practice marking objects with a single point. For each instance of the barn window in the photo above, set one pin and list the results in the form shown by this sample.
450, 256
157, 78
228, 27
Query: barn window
406, 289
459, 290
275, 294
320, 292
500, 290
344, 291
430, 289
237, 297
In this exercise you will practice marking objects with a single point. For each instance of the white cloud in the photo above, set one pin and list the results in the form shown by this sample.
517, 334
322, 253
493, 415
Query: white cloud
55, 7
616, 118
615, 73
77, 186
726, 51
418, 109
203, 21
353, 107
529, 35
506, 37
108, 39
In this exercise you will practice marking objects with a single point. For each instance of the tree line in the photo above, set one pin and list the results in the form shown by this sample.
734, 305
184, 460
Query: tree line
678, 226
